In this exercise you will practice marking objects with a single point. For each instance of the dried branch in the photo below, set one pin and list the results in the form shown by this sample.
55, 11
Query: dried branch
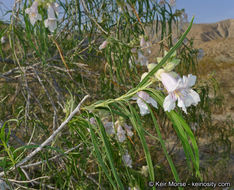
47, 141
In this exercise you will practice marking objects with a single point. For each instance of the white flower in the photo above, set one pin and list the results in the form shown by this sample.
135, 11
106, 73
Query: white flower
194, 126
144, 170
172, 3
51, 21
109, 127
142, 59
134, 188
55, 6
143, 96
129, 9
200, 54
92, 121
103, 45
3, 40
121, 134
34, 16
131, 61
127, 160
145, 45
120, 9
128, 129
179, 89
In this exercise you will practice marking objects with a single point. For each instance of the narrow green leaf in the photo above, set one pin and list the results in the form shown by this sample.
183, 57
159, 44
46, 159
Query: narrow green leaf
109, 153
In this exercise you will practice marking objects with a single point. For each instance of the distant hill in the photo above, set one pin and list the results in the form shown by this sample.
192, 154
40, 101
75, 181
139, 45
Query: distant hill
216, 39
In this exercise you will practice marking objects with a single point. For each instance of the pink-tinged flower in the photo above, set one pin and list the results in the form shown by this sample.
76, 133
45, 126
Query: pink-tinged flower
121, 134
109, 127
103, 45
128, 129
51, 21
92, 121
172, 3
127, 160
143, 96
179, 89
143, 60
145, 45
33, 14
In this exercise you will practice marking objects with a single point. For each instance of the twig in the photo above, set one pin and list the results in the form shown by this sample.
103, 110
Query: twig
93, 19
47, 141
40, 162
29, 181
49, 97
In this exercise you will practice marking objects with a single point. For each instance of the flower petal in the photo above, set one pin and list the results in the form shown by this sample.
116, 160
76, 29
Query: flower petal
169, 103
169, 82
152, 102
190, 80
195, 96
181, 104
143, 107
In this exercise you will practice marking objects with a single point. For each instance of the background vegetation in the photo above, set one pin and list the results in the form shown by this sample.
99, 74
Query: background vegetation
45, 75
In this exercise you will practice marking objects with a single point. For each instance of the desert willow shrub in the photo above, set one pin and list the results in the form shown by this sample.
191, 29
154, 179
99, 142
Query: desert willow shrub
53, 53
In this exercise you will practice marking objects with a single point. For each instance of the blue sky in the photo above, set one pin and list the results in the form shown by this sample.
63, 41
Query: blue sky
205, 11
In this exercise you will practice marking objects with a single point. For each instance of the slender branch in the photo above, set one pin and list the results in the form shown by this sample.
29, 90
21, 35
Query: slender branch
47, 141
29, 181
93, 19
40, 162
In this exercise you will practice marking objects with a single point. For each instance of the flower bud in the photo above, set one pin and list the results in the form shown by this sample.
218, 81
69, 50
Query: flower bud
151, 66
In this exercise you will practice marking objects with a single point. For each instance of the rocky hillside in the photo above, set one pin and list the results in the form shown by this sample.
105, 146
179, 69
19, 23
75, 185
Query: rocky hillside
216, 39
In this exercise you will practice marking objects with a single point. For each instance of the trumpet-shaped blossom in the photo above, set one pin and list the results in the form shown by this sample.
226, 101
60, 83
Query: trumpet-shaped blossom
127, 160
122, 128
103, 45
121, 134
128, 129
179, 89
142, 59
143, 96
51, 21
109, 127
34, 16
92, 121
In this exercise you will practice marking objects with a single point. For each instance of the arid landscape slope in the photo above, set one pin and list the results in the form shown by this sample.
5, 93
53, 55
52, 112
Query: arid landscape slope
217, 41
